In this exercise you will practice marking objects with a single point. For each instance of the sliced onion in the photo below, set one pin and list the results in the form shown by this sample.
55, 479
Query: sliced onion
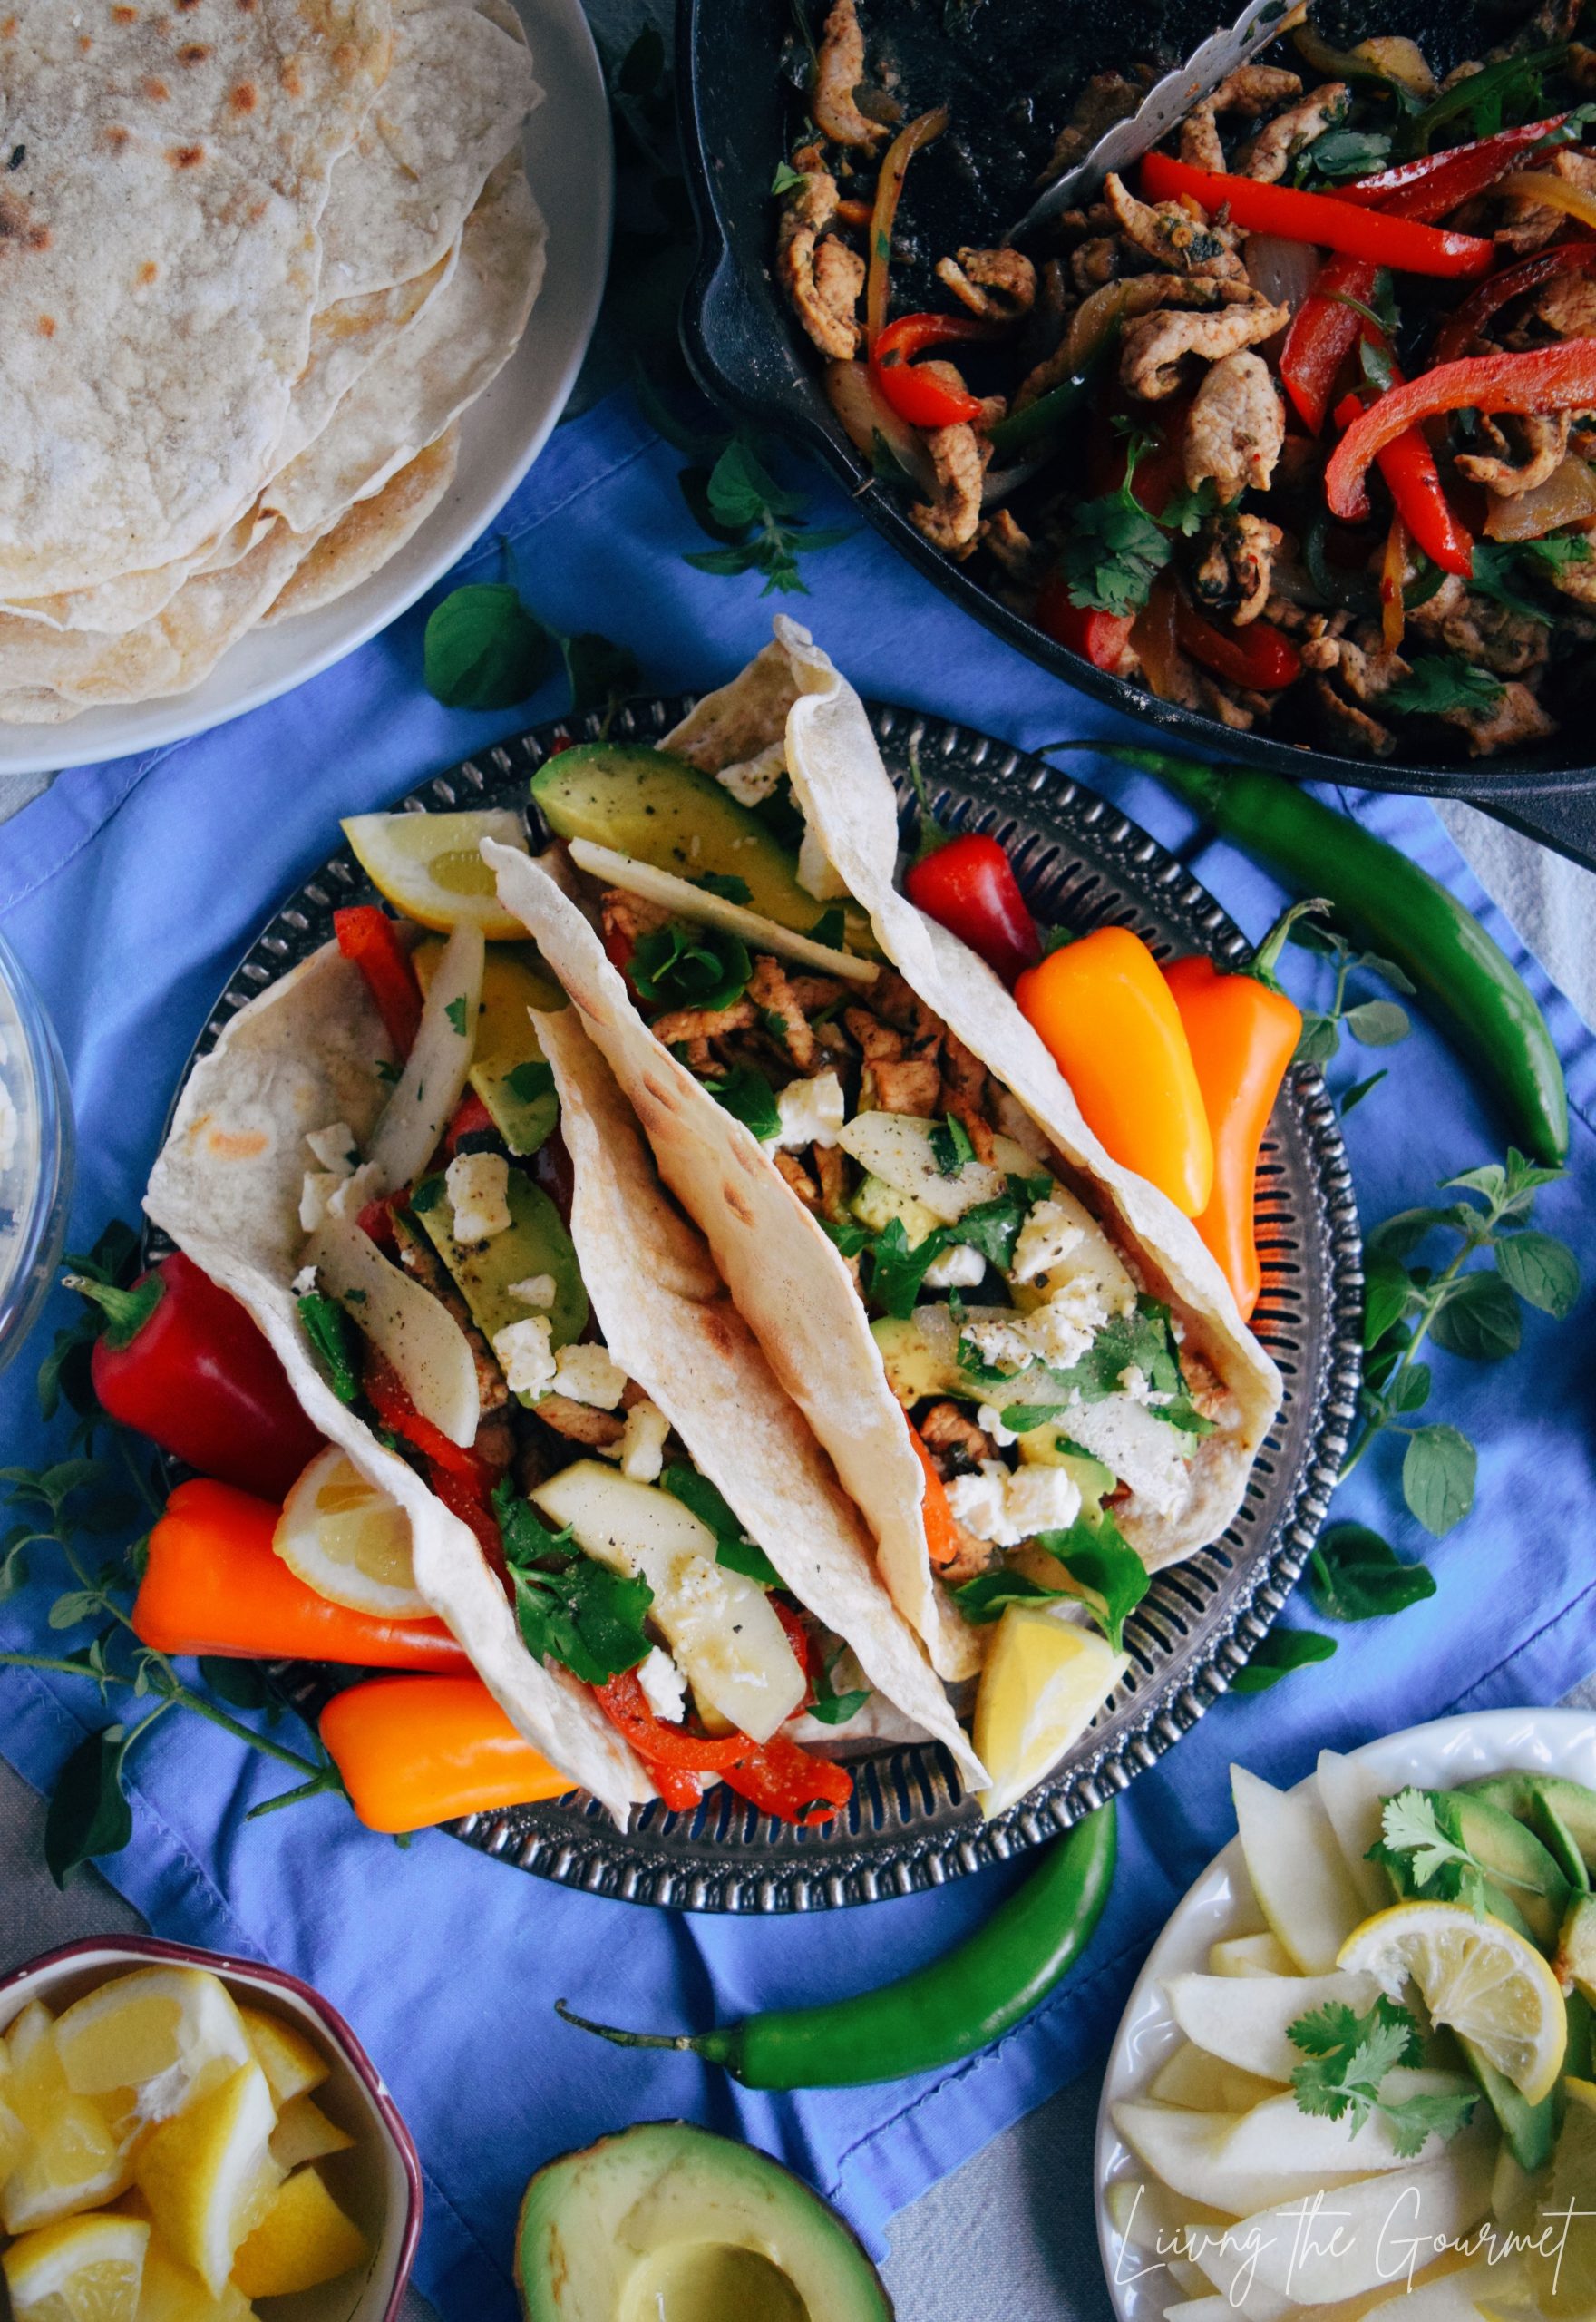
866, 414
1568, 496
1553, 193
1280, 272
923, 130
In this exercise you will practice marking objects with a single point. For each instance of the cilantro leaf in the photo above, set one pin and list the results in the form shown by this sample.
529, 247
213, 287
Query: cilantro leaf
1440, 682
898, 1270
1500, 567
1348, 2057
682, 966
748, 1097
1110, 1575
456, 1012
787, 179
829, 1706
569, 1608
527, 1082
989, 1595
950, 1145
992, 1227
726, 884
483, 649
1186, 511
831, 928
327, 1328
1116, 549
732, 1547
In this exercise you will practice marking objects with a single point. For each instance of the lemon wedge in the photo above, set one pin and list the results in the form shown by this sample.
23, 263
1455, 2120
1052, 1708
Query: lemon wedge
428, 866
346, 1539
208, 2173
81, 2270
291, 2064
1043, 1681
1475, 1975
147, 2042
1561, 2260
304, 2132
304, 2240
72, 2159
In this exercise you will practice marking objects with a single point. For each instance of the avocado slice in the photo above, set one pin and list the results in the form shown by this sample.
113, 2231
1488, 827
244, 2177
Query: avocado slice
668, 2220
1576, 1951
1562, 1813
1525, 1874
534, 1242
1528, 2130
915, 1367
877, 1204
659, 809
508, 1071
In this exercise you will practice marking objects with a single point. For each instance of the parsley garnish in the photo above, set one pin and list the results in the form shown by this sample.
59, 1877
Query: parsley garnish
427, 1195
1440, 682
1116, 549
569, 1608
787, 179
747, 1095
527, 1082
732, 1547
950, 1145
726, 884
680, 966
829, 1706
1499, 564
456, 1012
1348, 2056
1112, 1577
326, 1326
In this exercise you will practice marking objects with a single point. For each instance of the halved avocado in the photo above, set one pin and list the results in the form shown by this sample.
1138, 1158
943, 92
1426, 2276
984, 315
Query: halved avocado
666, 2223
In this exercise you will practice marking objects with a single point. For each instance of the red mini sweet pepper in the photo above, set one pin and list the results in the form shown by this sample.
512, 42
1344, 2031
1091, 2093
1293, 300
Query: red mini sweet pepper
969, 887
184, 1363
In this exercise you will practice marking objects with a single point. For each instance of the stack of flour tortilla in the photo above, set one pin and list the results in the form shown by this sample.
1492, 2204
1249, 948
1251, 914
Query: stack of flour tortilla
256, 257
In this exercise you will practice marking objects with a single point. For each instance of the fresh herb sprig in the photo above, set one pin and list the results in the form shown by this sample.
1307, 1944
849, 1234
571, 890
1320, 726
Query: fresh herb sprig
485, 648
1116, 548
1472, 1310
569, 1608
1372, 1023
1348, 2057
759, 522
1440, 683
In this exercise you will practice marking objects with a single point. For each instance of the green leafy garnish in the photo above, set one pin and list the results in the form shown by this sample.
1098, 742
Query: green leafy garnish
683, 966
898, 1270
1116, 549
428, 1194
1349, 2058
527, 1082
1501, 566
1281, 1651
831, 1707
748, 1097
1440, 682
1110, 1575
950, 1145
1342, 153
1355, 1576
456, 1012
743, 498
326, 1326
569, 1608
726, 884
1189, 507
787, 179
732, 1547
483, 649
989, 1593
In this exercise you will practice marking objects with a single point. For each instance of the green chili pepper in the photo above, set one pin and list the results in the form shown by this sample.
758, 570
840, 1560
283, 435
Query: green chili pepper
943, 2012
1049, 412
1387, 904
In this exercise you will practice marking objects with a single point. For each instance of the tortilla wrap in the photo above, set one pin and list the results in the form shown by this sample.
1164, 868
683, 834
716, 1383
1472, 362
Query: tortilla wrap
784, 1273
226, 1186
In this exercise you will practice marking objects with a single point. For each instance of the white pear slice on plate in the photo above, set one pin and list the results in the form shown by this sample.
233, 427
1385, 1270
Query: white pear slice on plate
1303, 1887
1353, 1798
1243, 2161
1250, 1954
1244, 2020
1206, 2083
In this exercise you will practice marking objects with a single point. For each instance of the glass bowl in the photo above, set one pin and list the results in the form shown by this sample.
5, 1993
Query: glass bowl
35, 1153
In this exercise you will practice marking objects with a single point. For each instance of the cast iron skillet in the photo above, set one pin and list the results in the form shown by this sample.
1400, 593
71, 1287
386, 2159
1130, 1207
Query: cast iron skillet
1008, 70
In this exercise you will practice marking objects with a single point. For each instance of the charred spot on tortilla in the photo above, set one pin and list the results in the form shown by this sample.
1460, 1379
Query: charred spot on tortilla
19, 227
155, 90
185, 157
193, 52
245, 97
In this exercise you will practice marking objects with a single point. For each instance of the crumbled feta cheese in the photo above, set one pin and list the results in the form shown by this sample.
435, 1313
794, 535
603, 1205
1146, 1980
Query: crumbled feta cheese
304, 1282
523, 1354
810, 1113
1136, 1384
642, 1442
478, 1185
335, 1148
958, 1267
587, 1374
664, 1686
1057, 1333
537, 1290
315, 1193
817, 874
350, 1196
989, 1419
752, 779
1046, 1239
1007, 1505
1142, 1449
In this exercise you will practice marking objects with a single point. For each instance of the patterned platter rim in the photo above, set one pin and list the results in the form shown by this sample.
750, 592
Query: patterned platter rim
909, 1825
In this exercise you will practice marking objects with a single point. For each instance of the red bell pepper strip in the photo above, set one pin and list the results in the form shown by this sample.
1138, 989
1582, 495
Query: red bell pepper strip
626, 1706
213, 1584
924, 403
184, 1363
1413, 482
1436, 182
1401, 243
471, 1117
969, 887
1099, 637
368, 937
785, 1779
1258, 655
1467, 321
1323, 332
776, 1775
1547, 378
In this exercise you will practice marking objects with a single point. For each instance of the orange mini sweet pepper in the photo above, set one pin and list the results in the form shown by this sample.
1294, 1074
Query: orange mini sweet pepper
214, 1585
1243, 1031
416, 1751
1105, 1012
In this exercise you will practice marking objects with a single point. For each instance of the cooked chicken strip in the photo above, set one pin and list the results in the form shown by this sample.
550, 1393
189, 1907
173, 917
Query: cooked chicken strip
1543, 437
823, 282
1155, 346
1167, 232
959, 458
1000, 285
839, 70
1251, 90
1268, 156
1236, 428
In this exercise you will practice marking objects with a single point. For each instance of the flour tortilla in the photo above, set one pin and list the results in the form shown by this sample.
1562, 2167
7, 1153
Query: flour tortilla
412, 393
163, 267
345, 339
669, 1323
452, 107
114, 607
226, 1186
373, 531
784, 1273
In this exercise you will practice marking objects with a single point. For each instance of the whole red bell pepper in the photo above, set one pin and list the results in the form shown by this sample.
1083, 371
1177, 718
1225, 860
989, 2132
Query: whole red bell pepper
1413, 482
924, 403
1378, 236
1258, 655
184, 1363
369, 938
1547, 378
1467, 321
969, 887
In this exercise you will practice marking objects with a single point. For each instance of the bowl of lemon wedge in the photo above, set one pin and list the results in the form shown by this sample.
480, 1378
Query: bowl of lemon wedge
183, 2134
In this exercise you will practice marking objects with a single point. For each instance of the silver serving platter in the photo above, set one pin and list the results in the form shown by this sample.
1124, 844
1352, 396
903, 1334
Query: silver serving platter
909, 1824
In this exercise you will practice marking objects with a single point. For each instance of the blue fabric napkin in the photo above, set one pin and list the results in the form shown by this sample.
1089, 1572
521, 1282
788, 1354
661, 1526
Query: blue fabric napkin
132, 889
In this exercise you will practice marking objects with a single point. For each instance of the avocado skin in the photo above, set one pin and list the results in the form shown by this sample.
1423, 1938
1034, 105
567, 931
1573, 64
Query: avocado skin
575, 2210
1528, 2130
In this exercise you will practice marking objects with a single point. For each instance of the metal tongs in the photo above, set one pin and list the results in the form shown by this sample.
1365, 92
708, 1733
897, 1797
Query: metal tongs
1165, 103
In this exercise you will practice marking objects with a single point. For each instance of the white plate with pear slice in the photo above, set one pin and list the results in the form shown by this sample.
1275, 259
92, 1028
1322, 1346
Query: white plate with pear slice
1311, 1885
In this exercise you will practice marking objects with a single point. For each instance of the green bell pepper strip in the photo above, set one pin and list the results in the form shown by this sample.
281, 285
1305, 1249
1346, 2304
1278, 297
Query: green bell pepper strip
1472, 992
941, 2013
1050, 411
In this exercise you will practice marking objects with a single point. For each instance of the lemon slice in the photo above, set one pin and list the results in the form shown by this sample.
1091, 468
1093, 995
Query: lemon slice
1487, 1983
304, 2132
346, 1539
428, 866
1043, 1680
291, 2064
150, 2041
82, 2270
72, 2159
208, 2173
1561, 2260
304, 2240
171, 2293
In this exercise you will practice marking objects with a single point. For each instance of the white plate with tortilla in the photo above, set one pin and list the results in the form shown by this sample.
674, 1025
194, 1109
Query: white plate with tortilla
1221, 1906
569, 163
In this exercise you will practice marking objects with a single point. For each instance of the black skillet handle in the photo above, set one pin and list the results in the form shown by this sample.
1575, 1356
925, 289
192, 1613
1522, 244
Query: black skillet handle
1564, 819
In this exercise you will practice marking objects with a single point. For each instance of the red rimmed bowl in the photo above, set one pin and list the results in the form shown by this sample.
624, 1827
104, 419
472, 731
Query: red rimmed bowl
378, 2181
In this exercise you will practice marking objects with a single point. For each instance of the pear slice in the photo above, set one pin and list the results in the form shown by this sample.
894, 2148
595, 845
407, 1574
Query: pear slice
1353, 1799
1304, 1888
1244, 2020
1242, 2161
1205, 2084
1250, 1954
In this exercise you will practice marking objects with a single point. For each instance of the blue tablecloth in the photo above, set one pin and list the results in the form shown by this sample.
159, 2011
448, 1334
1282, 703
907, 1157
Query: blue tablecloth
131, 890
